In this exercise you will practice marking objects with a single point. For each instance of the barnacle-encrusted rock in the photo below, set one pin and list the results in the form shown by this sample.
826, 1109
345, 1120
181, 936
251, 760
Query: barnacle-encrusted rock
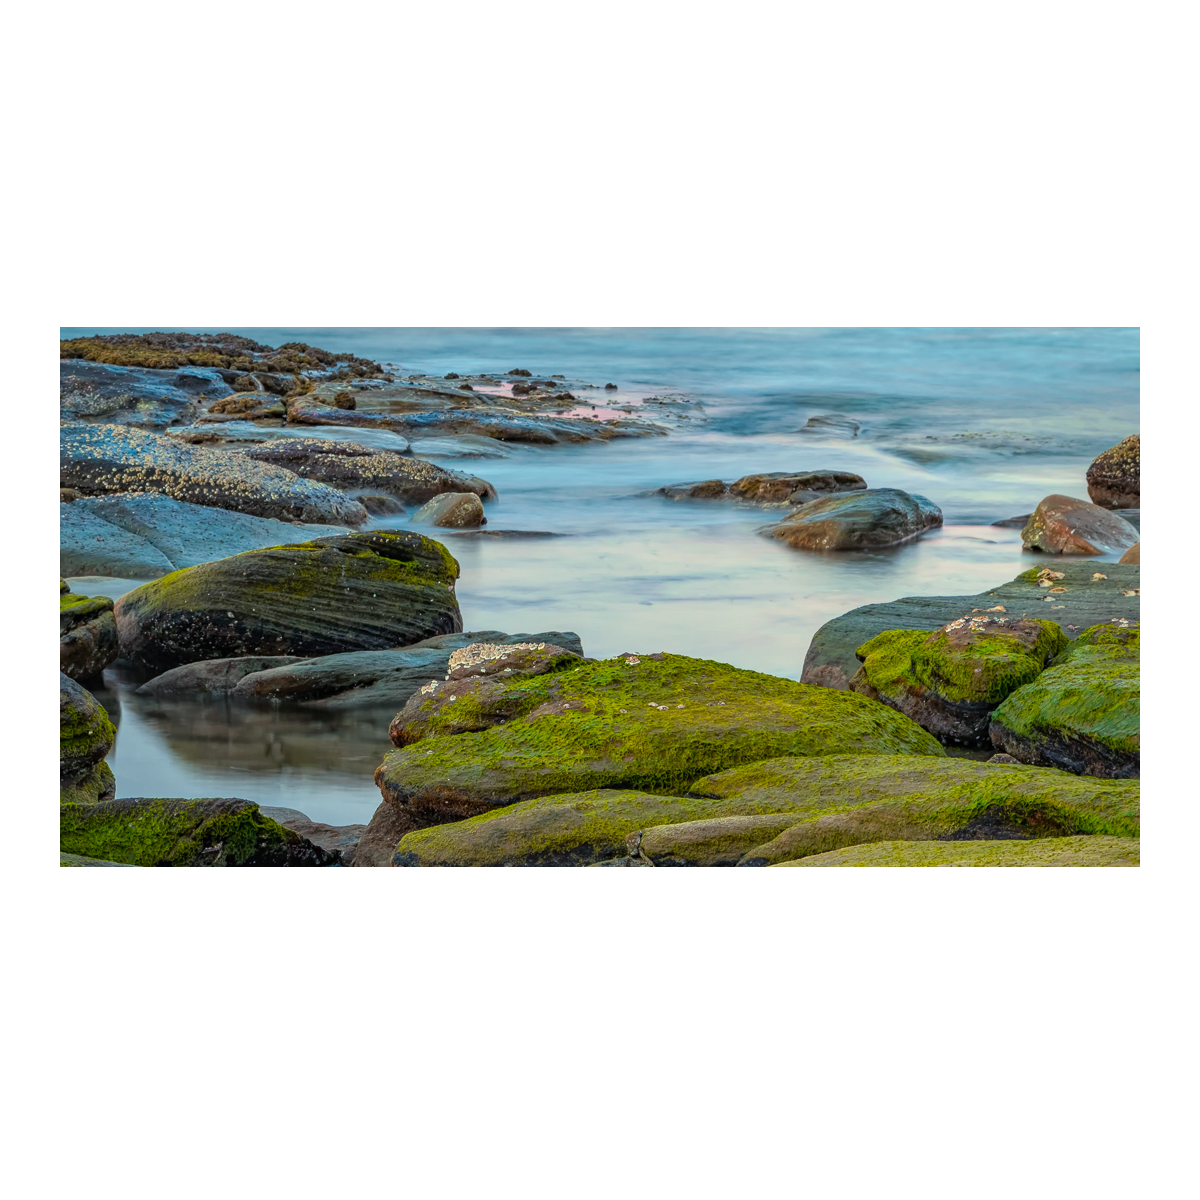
949, 681
1094, 851
733, 817
1090, 592
87, 635
629, 722
1114, 478
150, 399
184, 833
452, 510
349, 465
1083, 714
857, 520
359, 591
102, 459
1064, 525
85, 735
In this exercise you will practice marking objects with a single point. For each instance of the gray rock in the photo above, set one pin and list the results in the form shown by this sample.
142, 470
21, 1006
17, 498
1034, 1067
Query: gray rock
214, 676
857, 520
135, 396
467, 446
341, 840
145, 536
831, 662
451, 510
104, 459
87, 635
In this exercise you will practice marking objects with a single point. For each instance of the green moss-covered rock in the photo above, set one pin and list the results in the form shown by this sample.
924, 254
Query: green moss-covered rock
630, 722
78, 860
1084, 713
92, 786
949, 681
848, 801
87, 635
360, 591
708, 842
85, 733
1095, 851
184, 833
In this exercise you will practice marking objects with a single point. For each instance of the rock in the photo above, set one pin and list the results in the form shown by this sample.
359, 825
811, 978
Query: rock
360, 591
1013, 522
380, 506
434, 708
628, 722
949, 681
1083, 714
102, 459
78, 860
508, 426
339, 840
1094, 851
370, 677
377, 845
85, 735
1132, 556
1064, 525
710, 842
452, 510
831, 660
66, 495
251, 405
832, 423
145, 536
349, 465
184, 833
858, 520
87, 635
467, 446
780, 486
214, 676
151, 399
1006, 759
845, 800
1114, 478
708, 489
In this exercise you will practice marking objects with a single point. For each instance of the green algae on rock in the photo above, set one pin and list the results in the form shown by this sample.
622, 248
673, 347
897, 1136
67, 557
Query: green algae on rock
184, 833
358, 591
643, 722
1083, 851
86, 735
79, 860
949, 681
1083, 714
87, 635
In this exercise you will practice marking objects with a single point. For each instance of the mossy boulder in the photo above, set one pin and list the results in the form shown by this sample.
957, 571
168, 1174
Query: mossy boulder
360, 591
949, 681
646, 722
1114, 480
709, 841
185, 833
87, 635
857, 520
848, 800
1065, 525
79, 860
1083, 594
1083, 714
1095, 851
86, 735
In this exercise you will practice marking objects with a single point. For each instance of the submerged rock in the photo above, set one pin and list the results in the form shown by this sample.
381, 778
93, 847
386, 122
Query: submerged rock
1092, 592
361, 591
1083, 714
1114, 478
1094, 851
857, 520
628, 722
452, 510
144, 536
185, 833
349, 465
832, 423
87, 635
1064, 525
103, 459
949, 681
85, 735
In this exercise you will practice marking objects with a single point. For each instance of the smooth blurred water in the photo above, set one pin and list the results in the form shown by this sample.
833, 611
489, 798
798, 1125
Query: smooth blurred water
982, 422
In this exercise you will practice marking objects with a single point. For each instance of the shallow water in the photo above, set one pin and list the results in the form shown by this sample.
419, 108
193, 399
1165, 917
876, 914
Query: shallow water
984, 423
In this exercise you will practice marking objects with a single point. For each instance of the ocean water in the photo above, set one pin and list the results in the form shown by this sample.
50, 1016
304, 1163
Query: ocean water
982, 422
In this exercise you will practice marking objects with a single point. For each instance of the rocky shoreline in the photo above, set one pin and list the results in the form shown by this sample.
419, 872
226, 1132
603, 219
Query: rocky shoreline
518, 749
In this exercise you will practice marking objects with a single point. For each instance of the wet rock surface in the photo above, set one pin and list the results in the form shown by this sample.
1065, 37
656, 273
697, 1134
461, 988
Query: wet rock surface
363, 591
779, 487
1065, 525
214, 676
144, 536
149, 399
452, 510
87, 635
857, 520
339, 840
105, 459
85, 736
1092, 592
1114, 478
